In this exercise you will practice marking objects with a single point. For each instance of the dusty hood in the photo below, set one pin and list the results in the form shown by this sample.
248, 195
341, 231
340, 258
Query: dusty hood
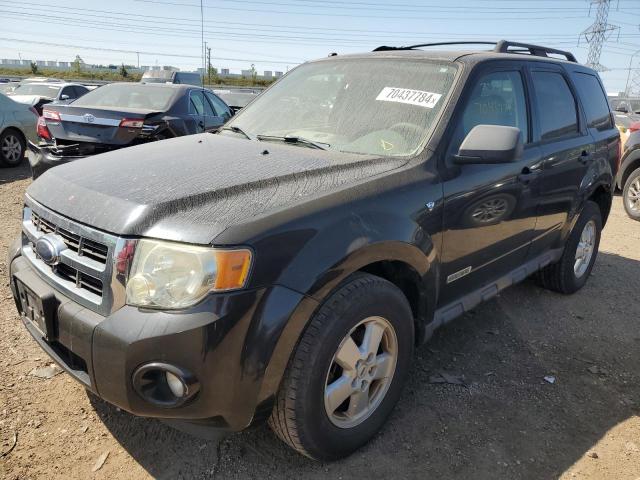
192, 188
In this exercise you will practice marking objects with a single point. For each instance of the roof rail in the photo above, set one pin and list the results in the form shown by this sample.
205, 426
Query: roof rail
502, 46
384, 48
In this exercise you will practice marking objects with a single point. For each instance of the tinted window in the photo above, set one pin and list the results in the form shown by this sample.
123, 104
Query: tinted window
69, 91
218, 105
199, 104
497, 99
594, 101
556, 106
131, 95
80, 91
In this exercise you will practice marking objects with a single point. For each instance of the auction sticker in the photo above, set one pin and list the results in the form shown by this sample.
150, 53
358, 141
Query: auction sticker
411, 97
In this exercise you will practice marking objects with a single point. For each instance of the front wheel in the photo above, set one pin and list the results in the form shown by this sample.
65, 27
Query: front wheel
348, 370
571, 272
631, 195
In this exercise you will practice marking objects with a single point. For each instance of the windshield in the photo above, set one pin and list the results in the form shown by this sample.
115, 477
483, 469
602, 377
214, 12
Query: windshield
128, 95
49, 91
376, 106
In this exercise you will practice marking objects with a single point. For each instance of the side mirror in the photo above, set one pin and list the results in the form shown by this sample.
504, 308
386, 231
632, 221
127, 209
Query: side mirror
64, 97
486, 144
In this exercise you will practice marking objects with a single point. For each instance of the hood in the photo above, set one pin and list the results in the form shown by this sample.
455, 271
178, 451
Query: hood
192, 188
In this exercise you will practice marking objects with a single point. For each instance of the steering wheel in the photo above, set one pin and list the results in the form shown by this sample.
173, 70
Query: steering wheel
403, 127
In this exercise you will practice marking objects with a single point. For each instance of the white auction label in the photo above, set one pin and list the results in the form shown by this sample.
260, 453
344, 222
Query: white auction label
408, 96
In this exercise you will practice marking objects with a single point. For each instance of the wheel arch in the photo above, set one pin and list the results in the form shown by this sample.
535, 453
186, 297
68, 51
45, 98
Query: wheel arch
602, 196
629, 165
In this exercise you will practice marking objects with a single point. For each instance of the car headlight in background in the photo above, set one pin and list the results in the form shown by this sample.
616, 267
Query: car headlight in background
173, 275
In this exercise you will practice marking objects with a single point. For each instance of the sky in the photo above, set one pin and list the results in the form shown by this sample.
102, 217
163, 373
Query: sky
279, 34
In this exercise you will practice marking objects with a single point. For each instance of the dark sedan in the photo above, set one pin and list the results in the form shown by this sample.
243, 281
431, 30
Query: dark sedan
121, 115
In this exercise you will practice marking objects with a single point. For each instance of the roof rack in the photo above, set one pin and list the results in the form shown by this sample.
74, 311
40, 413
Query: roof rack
502, 46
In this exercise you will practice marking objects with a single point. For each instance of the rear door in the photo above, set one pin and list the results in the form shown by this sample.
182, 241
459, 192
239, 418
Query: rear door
489, 210
567, 149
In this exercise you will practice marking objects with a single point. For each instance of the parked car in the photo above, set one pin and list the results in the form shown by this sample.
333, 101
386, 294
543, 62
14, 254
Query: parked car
287, 267
17, 126
626, 124
8, 87
628, 178
168, 76
119, 115
38, 94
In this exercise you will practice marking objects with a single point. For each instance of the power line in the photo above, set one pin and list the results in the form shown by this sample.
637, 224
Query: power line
349, 15
156, 54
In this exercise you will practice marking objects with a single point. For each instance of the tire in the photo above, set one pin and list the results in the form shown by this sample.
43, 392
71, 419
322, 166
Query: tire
301, 415
12, 148
565, 276
631, 195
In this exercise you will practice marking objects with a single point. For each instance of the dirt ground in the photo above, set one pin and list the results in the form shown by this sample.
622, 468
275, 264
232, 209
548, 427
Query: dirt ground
508, 422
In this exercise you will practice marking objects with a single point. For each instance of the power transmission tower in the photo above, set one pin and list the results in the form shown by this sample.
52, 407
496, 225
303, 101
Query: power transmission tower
598, 33
634, 86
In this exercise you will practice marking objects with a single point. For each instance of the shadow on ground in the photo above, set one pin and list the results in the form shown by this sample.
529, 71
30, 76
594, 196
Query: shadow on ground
8, 175
508, 422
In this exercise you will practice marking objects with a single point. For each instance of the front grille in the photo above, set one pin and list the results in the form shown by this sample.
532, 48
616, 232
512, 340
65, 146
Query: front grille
82, 246
84, 272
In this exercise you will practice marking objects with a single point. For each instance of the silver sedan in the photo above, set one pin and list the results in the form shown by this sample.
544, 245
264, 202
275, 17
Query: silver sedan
17, 126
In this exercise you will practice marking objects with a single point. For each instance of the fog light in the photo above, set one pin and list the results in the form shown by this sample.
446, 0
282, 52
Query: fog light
164, 384
175, 385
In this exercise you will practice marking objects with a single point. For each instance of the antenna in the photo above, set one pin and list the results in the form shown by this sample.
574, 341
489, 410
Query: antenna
599, 32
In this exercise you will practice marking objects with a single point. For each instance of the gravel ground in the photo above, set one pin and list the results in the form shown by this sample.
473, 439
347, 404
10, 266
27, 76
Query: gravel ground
507, 422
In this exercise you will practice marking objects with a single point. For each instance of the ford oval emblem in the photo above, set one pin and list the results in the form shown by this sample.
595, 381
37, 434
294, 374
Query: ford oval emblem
89, 118
49, 247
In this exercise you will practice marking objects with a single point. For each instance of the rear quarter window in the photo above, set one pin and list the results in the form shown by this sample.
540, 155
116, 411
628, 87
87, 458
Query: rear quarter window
594, 101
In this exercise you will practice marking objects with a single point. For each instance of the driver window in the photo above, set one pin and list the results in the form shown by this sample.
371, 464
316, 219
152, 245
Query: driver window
497, 99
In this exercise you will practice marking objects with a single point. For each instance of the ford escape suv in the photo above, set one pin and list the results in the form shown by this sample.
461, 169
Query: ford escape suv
286, 267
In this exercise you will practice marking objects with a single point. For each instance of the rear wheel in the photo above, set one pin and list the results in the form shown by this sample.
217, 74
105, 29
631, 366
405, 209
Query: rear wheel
347, 372
571, 272
12, 148
631, 195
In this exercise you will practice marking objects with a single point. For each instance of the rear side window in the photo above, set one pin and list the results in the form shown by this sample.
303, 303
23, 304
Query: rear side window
594, 101
556, 106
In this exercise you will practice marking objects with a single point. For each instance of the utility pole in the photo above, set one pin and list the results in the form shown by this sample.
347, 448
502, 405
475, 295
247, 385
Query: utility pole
209, 64
204, 62
598, 33
138, 54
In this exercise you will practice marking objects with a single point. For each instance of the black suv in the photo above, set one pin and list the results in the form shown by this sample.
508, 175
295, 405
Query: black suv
286, 267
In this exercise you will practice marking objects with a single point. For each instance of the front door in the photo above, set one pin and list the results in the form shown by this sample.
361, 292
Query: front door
489, 210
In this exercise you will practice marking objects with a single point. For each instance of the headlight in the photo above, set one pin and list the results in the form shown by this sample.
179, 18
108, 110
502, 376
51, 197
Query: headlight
173, 275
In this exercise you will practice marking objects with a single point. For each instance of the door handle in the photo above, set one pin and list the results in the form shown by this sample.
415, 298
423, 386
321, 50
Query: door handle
585, 156
528, 174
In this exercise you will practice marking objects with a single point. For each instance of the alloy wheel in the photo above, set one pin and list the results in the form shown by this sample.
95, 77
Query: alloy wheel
11, 148
633, 195
361, 372
584, 251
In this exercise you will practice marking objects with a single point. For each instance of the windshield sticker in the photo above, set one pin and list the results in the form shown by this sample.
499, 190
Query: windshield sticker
411, 97
386, 146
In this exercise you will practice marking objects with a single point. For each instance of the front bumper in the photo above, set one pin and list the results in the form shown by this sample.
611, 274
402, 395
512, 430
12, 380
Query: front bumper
226, 342
41, 159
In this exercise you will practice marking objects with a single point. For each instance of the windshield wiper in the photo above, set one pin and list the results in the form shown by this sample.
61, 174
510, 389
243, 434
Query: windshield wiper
295, 140
236, 129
